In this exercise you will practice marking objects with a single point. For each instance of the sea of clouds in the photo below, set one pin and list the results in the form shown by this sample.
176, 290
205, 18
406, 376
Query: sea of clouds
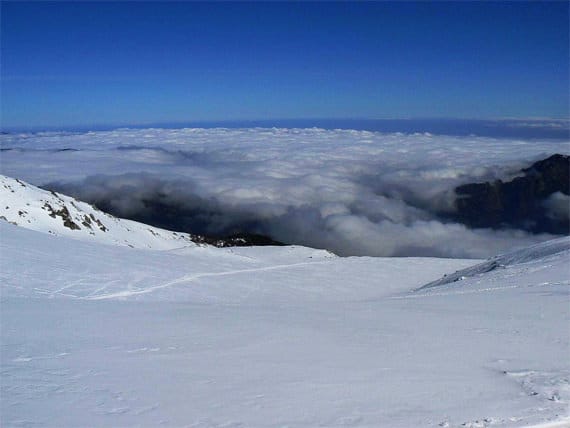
352, 192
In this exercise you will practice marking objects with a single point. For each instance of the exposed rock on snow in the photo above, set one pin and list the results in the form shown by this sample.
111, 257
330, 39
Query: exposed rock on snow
237, 240
30, 207
34, 208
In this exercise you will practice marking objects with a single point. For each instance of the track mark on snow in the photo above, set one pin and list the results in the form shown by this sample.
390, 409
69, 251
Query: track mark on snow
190, 278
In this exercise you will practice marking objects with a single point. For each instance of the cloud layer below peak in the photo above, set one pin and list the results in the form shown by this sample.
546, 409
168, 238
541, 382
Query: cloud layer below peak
353, 192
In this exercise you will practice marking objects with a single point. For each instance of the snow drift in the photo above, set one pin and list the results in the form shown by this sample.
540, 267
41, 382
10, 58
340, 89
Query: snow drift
539, 253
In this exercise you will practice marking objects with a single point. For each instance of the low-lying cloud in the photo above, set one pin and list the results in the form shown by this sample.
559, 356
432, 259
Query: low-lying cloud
353, 192
557, 206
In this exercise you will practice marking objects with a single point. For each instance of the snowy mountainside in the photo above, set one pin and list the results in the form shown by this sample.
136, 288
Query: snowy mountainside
85, 270
271, 336
536, 279
550, 256
30, 207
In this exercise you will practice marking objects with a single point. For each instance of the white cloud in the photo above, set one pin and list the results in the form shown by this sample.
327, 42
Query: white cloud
355, 192
558, 206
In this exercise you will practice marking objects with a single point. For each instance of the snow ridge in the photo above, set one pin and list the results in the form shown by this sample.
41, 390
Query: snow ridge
536, 253
30, 207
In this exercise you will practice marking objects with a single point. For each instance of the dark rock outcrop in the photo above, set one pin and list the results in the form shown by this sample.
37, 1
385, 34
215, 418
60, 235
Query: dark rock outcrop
236, 240
194, 222
64, 214
518, 203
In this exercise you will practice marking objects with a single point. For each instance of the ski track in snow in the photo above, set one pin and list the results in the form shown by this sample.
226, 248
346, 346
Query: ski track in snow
190, 278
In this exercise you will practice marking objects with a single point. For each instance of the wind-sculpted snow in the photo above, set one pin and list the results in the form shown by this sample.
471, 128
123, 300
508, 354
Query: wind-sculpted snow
353, 192
540, 253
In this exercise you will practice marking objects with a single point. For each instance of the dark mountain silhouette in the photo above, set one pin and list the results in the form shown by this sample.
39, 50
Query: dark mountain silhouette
518, 203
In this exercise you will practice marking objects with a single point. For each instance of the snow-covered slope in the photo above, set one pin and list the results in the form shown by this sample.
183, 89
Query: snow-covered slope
39, 265
541, 257
33, 208
537, 280
103, 335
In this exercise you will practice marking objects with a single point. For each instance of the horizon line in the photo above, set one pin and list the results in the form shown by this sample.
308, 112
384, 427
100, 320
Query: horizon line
210, 123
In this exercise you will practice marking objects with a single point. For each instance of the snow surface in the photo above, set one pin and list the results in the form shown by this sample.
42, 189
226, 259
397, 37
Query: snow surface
107, 335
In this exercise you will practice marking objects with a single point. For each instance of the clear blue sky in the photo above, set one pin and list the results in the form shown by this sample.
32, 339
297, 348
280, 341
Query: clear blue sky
69, 64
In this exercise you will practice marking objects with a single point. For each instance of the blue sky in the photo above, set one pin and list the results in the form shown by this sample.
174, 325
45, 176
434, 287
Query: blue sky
69, 64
